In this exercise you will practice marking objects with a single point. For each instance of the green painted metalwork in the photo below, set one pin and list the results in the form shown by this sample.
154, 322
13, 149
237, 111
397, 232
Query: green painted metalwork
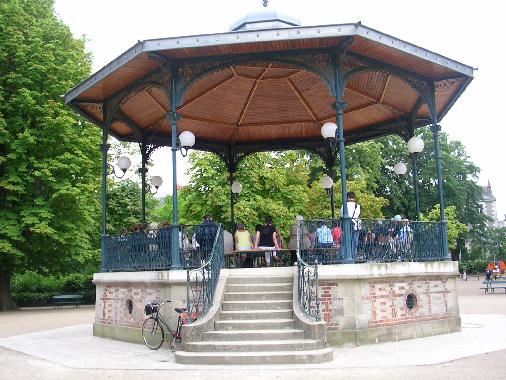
376, 241
105, 148
176, 262
201, 281
307, 280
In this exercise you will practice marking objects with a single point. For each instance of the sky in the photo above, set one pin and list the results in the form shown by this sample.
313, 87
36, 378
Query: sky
467, 31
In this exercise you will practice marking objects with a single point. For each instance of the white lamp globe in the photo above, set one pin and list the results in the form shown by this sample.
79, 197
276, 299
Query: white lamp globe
236, 187
329, 130
326, 182
415, 144
156, 181
400, 168
187, 139
124, 163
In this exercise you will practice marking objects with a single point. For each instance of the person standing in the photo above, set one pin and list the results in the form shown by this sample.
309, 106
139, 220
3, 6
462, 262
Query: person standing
243, 242
354, 214
205, 236
266, 240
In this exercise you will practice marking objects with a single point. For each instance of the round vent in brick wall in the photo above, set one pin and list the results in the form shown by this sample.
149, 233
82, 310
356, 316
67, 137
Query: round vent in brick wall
411, 301
130, 306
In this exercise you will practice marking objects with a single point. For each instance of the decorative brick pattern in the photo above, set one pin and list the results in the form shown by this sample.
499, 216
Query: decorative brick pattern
113, 304
387, 301
331, 305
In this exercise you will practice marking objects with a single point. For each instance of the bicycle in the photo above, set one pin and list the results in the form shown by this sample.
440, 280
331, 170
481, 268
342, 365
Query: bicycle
153, 332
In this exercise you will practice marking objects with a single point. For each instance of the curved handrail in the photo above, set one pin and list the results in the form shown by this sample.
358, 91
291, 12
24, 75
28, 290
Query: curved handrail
307, 279
201, 281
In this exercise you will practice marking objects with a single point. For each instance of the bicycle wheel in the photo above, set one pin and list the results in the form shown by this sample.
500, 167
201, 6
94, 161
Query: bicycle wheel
152, 333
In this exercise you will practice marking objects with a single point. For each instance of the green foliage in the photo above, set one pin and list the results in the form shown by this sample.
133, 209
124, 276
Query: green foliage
473, 266
33, 289
124, 205
163, 213
49, 157
455, 228
459, 173
279, 184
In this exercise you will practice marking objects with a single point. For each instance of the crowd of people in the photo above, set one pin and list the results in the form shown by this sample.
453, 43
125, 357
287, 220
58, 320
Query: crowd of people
323, 236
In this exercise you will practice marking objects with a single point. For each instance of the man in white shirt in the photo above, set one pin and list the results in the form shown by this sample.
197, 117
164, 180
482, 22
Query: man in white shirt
356, 223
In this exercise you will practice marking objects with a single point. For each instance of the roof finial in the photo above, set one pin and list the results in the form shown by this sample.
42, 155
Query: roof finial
265, 2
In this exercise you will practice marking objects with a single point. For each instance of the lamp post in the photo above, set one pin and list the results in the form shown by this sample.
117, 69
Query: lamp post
328, 132
328, 184
235, 190
415, 147
186, 141
124, 164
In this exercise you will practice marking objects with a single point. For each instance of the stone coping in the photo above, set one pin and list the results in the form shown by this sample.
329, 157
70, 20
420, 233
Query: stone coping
388, 270
325, 272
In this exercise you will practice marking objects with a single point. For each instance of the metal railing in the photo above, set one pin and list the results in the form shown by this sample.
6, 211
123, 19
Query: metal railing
151, 249
138, 251
372, 241
201, 280
307, 280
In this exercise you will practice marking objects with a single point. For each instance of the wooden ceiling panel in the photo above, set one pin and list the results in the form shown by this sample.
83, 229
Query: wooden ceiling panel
355, 101
399, 96
120, 78
369, 83
395, 57
274, 101
279, 73
121, 129
143, 109
315, 92
223, 104
207, 131
376, 114
252, 72
271, 132
207, 84
95, 110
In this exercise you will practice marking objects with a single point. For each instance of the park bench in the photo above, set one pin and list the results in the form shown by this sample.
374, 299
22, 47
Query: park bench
68, 299
492, 285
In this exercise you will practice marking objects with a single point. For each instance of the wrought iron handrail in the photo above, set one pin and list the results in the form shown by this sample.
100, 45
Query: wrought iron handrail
201, 281
373, 240
307, 280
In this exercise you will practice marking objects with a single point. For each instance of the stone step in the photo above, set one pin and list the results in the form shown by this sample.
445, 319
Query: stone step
257, 296
254, 345
259, 280
248, 335
269, 287
254, 324
257, 314
257, 357
257, 305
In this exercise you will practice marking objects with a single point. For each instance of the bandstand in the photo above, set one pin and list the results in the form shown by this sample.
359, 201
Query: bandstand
270, 84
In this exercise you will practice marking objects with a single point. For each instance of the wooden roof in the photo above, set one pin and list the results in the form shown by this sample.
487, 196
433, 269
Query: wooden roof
254, 98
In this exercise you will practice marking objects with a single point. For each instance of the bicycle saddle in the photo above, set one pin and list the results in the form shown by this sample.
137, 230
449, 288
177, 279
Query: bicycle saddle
180, 309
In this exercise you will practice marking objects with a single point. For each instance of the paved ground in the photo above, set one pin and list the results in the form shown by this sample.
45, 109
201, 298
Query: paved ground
478, 351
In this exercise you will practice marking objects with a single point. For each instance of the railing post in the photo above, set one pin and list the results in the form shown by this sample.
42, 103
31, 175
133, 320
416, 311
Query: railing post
173, 116
436, 129
105, 148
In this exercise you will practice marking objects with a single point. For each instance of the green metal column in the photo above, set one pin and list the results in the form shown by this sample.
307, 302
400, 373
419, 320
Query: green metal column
436, 129
340, 105
105, 148
143, 180
173, 116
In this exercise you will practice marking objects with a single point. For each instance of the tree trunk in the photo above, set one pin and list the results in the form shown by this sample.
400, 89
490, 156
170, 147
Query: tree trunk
6, 302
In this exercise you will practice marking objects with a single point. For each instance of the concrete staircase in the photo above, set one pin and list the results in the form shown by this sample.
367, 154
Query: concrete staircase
255, 326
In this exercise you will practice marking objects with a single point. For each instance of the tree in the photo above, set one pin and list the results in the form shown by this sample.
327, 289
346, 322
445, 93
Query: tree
460, 178
49, 157
454, 227
124, 205
279, 184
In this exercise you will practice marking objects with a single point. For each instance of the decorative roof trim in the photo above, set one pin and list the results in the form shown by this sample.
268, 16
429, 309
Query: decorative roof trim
269, 35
